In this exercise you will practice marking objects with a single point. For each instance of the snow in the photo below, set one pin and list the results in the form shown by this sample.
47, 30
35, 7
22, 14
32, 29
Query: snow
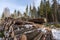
1, 38
43, 30
56, 34
28, 26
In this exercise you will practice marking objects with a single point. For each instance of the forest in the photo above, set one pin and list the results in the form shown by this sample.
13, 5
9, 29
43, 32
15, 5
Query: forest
45, 10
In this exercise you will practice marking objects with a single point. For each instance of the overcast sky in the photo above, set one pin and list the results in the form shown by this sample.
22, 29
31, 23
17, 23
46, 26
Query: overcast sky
17, 4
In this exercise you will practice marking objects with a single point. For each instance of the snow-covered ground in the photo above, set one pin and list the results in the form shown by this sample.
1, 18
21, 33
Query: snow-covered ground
1, 39
56, 33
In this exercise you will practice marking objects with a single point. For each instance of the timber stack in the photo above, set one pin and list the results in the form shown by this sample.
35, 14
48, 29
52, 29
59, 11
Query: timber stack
16, 29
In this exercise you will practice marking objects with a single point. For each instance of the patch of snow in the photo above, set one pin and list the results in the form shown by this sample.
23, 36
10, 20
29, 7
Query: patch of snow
56, 34
1, 38
28, 26
43, 30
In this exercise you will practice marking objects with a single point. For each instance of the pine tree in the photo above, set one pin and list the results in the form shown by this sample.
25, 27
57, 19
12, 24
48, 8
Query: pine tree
25, 16
34, 12
30, 12
38, 12
15, 14
48, 12
19, 14
27, 11
48, 6
54, 8
41, 9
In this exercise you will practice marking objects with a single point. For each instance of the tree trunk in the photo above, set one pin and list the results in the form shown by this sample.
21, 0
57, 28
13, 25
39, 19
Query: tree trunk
46, 17
53, 18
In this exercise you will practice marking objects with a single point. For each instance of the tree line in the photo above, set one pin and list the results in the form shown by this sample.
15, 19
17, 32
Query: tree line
45, 10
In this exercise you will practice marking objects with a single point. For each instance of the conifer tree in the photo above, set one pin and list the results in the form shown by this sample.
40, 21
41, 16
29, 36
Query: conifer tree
34, 12
19, 14
41, 9
30, 11
15, 14
54, 9
26, 11
48, 12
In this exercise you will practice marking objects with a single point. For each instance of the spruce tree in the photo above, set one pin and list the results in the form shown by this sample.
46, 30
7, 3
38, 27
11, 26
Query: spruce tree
41, 9
54, 9
48, 12
34, 12
19, 14
26, 11
15, 14
30, 12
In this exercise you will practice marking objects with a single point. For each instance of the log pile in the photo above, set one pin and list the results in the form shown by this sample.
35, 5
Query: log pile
38, 20
16, 29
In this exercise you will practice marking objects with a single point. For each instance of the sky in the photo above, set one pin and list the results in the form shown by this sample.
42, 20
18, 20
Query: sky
17, 4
